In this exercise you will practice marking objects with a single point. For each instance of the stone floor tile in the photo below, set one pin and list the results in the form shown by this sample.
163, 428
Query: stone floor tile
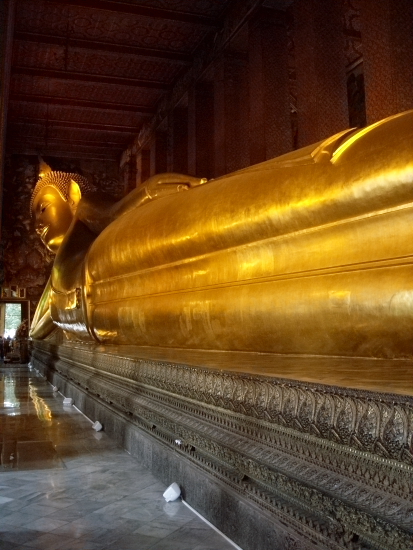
47, 541
80, 544
45, 525
18, 536
12, 506
56, 503
6, 545
157, 528
17, 518
135, 541
38, 510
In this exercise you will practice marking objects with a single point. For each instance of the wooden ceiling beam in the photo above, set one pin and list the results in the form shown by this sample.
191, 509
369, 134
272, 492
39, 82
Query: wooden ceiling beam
109, 155
94, 45
85, 77
51, 100
106, 128
55, 140
143, 11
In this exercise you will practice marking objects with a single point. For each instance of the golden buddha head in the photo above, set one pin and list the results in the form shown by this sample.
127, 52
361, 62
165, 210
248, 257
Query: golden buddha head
53, 204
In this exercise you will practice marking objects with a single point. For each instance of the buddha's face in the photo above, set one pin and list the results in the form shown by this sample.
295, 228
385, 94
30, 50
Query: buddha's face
53, 217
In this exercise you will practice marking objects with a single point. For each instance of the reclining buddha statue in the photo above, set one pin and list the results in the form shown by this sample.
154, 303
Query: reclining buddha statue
308, 253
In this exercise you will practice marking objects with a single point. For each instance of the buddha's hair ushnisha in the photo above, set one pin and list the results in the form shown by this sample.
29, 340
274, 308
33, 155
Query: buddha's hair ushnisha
61, 182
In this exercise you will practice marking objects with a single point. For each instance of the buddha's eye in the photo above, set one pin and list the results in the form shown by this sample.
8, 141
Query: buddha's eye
43, 207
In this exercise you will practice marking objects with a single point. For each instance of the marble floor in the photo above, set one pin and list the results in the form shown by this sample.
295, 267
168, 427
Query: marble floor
64, 486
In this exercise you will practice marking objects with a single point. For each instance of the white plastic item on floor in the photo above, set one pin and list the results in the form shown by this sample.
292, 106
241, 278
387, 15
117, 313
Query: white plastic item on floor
67, 401
97, 426
172, 493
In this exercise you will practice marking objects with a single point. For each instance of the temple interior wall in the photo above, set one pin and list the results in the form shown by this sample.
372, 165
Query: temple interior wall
287, 80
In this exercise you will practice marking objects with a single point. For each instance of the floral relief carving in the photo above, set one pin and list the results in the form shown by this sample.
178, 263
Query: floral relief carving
306, 412
368, 426
393, 432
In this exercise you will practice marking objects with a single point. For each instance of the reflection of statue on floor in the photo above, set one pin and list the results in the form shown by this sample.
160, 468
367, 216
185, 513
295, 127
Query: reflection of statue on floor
308, 253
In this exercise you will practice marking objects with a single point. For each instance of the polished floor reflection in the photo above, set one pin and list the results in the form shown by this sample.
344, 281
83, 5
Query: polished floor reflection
64, 486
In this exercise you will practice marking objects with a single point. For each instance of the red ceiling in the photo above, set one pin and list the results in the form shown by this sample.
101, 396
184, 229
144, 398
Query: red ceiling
86, 74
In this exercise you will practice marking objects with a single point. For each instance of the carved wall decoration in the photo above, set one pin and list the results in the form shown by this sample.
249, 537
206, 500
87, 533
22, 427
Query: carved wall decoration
292, 77
356, 96
27, 263
352, 31
354, 62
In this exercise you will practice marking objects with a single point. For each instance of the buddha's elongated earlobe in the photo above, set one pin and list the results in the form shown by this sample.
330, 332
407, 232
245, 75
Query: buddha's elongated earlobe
75, 195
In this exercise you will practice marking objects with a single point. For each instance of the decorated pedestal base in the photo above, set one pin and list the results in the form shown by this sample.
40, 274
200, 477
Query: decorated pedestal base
273, 462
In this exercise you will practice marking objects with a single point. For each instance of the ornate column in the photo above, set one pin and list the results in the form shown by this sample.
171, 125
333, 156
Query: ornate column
387, 36
321, 75
270, 120
231, 128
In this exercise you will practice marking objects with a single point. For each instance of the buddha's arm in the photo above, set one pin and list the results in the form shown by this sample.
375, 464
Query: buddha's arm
97, 211
42, 324
153, 188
